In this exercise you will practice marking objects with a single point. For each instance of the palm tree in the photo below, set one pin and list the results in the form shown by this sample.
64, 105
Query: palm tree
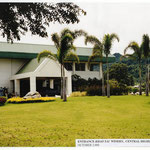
137, 55
146, 52
65, 50
107, 44
97, 53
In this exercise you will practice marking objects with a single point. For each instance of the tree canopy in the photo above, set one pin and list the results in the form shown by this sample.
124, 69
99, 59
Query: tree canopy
18, 18
120, 73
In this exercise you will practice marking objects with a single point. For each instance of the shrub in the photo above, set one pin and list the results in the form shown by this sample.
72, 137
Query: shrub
118, 88
78, 93
94, 90
30, 100
134, 90
2, 100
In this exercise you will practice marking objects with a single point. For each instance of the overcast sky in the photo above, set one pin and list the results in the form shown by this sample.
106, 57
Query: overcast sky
129, 20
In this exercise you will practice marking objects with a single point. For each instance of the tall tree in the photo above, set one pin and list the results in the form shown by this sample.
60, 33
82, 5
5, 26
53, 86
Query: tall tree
65, 50
107, 44
136, 55
146, 52
18, 18
97, 53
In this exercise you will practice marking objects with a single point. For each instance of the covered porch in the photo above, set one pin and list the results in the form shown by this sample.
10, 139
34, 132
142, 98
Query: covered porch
43, 77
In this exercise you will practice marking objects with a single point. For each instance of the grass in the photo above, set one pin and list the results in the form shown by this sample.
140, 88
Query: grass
60, 123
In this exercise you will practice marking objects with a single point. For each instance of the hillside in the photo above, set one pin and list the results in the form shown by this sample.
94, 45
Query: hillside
132, 66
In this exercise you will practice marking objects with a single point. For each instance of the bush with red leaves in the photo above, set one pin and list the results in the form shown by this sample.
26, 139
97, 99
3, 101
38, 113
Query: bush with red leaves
2, 100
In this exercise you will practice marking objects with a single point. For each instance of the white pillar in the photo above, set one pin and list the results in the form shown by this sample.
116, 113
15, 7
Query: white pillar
73, 68
51, 83
17, 87
11, 89
69, 85
86, 67
33, 84
100, 70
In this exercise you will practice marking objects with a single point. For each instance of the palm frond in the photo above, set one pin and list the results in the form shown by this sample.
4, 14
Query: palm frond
56, 39
78, 33
130, 56
107, 44
72, 55
98, 49
114, 36
146, 45
66, 44
92, 58
48, 54
137, 50
133, 46
92, 39
66, 31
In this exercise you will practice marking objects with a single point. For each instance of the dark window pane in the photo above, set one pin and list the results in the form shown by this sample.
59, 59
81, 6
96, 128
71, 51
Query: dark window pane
94, 67
68, 66
80, 67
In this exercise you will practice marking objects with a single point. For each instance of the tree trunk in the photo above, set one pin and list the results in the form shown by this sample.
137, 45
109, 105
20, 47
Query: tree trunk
148, 77
140, 87
103, 85
61, 92
147, 80
64, 85
108, 86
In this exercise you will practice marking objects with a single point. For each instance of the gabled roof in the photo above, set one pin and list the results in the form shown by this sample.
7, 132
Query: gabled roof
30, 51
43, 69
30, 66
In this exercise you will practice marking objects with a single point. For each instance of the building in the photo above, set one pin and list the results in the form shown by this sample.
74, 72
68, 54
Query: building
20, 72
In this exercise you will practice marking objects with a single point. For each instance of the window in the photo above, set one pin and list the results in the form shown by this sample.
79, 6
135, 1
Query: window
80, 67
68, 66
94, 67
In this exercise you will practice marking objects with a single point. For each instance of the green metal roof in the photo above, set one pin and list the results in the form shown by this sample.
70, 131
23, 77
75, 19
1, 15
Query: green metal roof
30, 51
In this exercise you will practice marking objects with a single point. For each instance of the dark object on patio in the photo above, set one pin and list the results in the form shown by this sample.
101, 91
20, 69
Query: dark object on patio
49, 92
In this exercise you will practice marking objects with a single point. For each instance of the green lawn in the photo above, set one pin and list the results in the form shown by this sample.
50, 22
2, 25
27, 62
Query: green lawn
60, 123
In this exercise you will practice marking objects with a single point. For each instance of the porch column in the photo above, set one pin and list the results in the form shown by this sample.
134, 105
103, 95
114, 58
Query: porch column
73, 68
100, 70
17, 87
86, 67
51, 83
33, 84
69, 85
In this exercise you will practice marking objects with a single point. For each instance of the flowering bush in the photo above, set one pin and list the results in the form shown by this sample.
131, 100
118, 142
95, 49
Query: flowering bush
2, 100
78, 93
30, 100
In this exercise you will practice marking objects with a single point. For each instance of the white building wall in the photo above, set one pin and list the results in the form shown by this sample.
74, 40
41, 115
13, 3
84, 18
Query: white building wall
87, 73
9, 67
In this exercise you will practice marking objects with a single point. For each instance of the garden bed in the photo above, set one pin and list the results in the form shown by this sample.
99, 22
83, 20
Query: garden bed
30, 100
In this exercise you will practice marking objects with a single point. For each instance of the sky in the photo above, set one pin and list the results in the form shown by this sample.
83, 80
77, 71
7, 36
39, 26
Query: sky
128, 20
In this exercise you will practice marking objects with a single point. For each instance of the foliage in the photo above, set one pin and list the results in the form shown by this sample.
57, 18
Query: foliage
18, 18
80, 84
119, 72
107, 45
2, 100
133, 68
94, 86
30, 100
94, 90
59, 124
134, 90
65, 50
118, 88
98, 50
78, 94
